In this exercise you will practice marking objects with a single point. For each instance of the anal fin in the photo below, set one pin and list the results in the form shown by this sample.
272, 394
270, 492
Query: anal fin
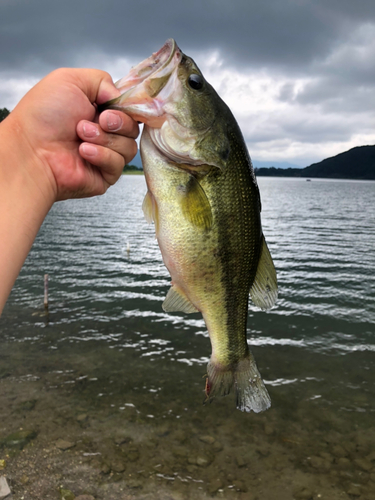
177, 301
264, 290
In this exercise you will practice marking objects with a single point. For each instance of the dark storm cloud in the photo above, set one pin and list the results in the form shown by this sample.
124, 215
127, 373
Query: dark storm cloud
290, 34
316, 58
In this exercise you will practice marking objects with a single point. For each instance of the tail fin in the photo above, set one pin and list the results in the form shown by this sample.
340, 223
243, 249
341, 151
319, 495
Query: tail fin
252, 394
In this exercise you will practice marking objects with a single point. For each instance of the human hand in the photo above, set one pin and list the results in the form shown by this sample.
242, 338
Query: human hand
55, 117
43, 158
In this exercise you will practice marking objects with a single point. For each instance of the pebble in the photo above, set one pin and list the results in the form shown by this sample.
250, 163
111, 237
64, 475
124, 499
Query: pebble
18, 439
105, 468
82, 418
207, 439
117, 477
317, 462
2, 464
180, 452
241, 462
217, 446
339, 452
349, 447
4, 488
123, 440
180, 436
63, 445
118, 466
28, 405
66, 494
355, 490
304, 494
132, 455
269, 429
344, 463
241, 486
363, 464
214, 485
134, 483
326, 456
346, 474
204, 460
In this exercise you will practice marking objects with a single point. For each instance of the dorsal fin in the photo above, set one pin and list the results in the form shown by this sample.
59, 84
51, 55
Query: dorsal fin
176, 300
264, 290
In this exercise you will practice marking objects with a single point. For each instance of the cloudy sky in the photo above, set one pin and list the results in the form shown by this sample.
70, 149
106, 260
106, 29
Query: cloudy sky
299, 75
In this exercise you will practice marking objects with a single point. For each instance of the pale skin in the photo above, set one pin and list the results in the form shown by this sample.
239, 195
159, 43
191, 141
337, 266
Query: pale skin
54, 146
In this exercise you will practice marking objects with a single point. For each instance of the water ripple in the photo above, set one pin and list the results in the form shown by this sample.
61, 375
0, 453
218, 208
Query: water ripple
320, 235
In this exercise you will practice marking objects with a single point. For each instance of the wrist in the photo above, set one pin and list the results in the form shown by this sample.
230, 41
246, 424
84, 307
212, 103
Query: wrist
26, 195
22, 161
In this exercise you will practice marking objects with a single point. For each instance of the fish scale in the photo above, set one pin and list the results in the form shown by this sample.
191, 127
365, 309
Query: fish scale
204, 200
233, 194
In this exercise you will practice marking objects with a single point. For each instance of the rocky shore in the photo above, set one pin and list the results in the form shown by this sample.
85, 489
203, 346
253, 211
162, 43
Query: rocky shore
61, 445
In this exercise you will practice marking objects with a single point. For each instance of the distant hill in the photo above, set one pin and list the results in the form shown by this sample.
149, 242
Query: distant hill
276, 164
357, 163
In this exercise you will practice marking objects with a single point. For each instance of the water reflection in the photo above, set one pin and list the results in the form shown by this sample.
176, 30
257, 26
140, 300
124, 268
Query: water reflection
123, 381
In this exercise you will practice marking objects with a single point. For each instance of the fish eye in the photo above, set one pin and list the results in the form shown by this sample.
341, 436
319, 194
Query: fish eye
195, 81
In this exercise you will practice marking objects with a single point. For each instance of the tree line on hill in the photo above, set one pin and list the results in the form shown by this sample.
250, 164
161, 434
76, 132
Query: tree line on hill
132, 168
357, 163
4, 112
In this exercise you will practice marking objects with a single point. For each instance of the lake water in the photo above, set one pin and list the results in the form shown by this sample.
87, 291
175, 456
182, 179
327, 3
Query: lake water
122, 381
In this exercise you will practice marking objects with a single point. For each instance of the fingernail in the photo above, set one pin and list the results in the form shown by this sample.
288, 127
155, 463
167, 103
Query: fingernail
89, 150
114, 122
90, 130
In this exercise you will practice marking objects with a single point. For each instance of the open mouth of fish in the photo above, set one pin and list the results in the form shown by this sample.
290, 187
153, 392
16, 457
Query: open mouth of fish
158, 66
141, 88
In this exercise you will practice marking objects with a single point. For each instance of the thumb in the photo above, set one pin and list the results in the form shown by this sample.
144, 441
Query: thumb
97, 85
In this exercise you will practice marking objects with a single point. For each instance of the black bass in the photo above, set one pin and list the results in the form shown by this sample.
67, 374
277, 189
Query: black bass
204, 200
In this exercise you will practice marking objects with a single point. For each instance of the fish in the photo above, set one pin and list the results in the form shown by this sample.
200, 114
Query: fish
203, 198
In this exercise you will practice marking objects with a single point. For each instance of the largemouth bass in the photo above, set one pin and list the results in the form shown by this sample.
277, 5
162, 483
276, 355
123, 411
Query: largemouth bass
204, 200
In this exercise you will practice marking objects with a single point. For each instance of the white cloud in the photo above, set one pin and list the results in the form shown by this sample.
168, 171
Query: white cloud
299, 114
300, 120
12, 89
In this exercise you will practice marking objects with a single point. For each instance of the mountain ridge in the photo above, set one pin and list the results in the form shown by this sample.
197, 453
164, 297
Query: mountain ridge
356, 163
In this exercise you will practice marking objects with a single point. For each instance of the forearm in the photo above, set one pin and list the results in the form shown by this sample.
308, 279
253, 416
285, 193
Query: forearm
24, 202
53, 148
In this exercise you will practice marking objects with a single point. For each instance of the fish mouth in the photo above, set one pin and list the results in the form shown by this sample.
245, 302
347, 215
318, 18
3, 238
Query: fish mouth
159, 64
141, 87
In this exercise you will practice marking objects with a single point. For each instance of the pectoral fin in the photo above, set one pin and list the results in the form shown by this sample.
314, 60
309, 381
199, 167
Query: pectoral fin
150, 210
177, 301
264, 290
194, 204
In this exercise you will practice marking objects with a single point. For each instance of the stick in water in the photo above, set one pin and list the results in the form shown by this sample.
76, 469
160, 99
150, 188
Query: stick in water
46, 291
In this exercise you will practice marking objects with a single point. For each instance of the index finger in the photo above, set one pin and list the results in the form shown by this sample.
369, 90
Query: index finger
117, 122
